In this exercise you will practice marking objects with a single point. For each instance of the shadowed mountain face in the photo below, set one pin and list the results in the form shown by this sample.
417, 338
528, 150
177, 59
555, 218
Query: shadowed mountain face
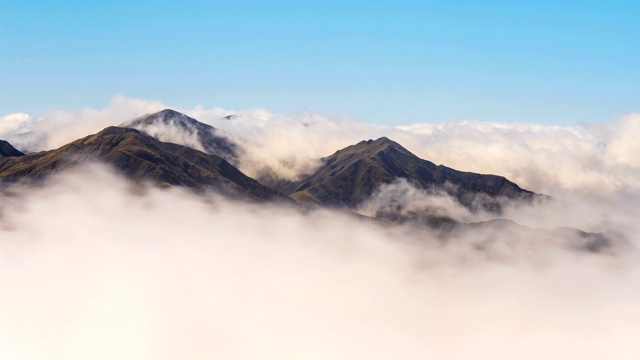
352, 174
141, 158
7, 150
172, 126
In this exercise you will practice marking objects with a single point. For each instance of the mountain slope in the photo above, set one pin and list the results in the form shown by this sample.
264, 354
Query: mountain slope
352, 174
141, 158
172, 126
7, 149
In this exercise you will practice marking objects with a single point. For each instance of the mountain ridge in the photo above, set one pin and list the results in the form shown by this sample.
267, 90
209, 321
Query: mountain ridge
352, 174
141, 158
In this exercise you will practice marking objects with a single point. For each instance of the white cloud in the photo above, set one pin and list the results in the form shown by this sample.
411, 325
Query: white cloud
55, 128
623, 147
93, 270
102, 272
548, 159
402, 198
11, 123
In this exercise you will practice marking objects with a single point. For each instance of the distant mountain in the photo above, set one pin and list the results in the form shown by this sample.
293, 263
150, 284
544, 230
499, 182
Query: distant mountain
172, 126
351, 175
141, 158
484, 233
7, 150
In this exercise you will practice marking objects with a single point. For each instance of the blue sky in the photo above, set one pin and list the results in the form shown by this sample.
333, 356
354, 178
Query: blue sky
556, 62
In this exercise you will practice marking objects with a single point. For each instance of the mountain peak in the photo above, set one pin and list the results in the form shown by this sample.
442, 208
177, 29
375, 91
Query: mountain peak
373, 147
351, 175
378, 141
382, 140
172, 126
169, 112
116, 130
166, 117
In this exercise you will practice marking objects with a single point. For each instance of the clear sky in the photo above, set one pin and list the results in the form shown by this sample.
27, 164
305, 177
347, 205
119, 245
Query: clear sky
549, 62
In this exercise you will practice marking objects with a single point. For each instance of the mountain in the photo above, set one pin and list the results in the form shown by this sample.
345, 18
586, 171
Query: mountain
483, 235
347, 178
7, 150
141, 158
352, 174
172, 126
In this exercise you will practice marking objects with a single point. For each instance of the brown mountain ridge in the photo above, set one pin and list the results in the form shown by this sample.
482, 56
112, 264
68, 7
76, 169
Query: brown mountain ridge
141, 158
351, 175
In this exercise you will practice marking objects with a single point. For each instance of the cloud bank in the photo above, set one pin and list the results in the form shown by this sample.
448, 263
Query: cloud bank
91, 268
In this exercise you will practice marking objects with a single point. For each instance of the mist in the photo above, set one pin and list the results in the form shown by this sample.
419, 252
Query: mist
92, 266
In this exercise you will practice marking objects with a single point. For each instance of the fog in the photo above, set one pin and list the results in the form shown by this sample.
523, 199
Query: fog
93, 267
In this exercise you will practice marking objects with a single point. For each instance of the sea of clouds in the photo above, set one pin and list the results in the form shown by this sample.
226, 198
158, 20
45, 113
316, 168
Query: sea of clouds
93, 268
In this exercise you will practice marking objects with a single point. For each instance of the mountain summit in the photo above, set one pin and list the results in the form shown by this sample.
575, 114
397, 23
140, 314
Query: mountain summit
172, 126
352, 174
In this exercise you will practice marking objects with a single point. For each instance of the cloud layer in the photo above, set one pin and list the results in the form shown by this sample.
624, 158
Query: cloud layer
92, 269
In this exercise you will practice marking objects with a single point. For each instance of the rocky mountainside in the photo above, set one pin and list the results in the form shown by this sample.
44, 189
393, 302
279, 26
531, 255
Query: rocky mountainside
352, 174
172, 126
141, 158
